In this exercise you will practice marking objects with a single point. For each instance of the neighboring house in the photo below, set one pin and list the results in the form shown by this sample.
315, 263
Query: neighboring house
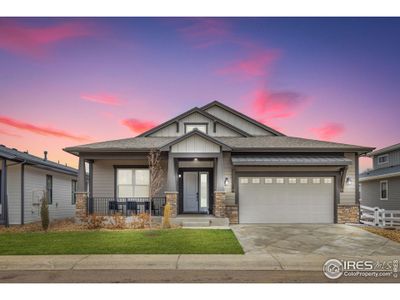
380, 187
25, 178
221, 162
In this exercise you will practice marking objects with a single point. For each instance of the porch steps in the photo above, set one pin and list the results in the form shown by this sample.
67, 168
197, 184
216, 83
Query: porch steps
199, 221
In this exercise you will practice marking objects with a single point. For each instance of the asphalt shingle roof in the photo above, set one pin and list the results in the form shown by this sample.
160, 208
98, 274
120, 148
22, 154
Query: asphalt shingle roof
380, 172
292, 159
14, 154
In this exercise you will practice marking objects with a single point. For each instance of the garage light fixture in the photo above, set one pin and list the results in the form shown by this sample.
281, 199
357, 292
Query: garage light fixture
195, 159
349, 180
226, 181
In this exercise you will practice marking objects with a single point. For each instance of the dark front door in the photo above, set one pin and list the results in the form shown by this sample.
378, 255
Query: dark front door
195, 192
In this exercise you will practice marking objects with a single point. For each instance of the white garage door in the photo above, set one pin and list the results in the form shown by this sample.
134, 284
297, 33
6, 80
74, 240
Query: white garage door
286, 199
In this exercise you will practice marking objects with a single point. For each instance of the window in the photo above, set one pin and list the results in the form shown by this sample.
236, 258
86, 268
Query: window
327, 180
383, 159
133, 182
280, 180
49, 188
73, 191
384, 189
303, 180
292, 180
244, 180
255, 180
268, 180
200, 127
316, 180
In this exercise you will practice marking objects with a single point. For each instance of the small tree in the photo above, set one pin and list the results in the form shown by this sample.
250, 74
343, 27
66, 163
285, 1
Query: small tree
44, 212
156, 175
167, 214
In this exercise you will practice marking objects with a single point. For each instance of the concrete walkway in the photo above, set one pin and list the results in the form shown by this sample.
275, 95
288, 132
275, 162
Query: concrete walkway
266, 262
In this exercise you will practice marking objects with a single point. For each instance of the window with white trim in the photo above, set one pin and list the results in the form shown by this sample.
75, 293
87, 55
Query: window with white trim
132, 182
383, 159
244, 180
303, 180
255, 180
268, 180
316, 180
327, 180
384, 189
199, 127
280, 180
292, 180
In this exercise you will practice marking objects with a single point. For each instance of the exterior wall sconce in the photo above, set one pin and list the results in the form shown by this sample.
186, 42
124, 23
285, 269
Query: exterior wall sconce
195, 159
180, 175
349, 181
226, 181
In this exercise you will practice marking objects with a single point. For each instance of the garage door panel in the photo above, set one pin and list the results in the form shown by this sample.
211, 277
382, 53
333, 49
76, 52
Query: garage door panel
286, 203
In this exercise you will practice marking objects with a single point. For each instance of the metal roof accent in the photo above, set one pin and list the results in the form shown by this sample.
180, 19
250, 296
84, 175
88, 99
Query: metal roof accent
385, 150
380, 173
15, 155
290, 160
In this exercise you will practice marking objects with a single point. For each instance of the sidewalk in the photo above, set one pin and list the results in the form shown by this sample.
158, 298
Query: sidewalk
264, 262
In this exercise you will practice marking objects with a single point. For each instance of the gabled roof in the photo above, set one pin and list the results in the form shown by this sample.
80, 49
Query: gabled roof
380, 173
198, 133
239, 114
189, 112
15, 155
385, 150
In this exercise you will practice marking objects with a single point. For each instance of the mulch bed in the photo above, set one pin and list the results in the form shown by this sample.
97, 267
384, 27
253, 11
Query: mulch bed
392, 234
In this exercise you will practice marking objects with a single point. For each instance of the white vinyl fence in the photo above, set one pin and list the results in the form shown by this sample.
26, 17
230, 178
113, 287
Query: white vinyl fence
375, 216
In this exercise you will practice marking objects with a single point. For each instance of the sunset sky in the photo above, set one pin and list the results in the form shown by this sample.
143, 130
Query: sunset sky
70, 81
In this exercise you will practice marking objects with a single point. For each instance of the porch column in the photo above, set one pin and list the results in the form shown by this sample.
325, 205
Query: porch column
81, 176
219, 194
4, 192
171, 194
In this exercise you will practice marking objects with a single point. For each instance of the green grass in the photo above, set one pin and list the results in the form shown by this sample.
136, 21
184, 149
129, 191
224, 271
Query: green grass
172, 241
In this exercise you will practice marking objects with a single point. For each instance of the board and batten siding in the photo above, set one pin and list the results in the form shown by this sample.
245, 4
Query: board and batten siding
14, 193
370, 194
238, 122
170, 130
394, 160
103, 175
348, 196
195, 144
35, 186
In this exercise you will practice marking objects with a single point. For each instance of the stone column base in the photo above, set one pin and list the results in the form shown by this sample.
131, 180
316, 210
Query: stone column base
219, 204
172, 199
232, 212
348, 214
81, 207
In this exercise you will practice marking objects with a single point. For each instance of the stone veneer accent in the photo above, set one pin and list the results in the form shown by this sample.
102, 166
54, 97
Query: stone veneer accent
172, 199
81, 207
232, 212
219, 204
348, 214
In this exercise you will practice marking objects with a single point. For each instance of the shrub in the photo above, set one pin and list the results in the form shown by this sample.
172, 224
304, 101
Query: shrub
94, 221
117, 221
166, 223
44, 213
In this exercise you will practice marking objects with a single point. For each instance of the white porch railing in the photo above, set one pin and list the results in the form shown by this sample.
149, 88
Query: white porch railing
375, 216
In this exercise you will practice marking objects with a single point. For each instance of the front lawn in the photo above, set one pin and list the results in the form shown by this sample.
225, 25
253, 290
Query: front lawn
172, 241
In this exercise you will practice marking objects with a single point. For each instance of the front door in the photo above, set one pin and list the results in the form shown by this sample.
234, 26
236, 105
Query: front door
195, 192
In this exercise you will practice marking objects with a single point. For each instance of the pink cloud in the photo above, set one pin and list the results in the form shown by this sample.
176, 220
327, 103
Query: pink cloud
329, 131
206, 32
34, 41
256, 65
138, 126
102, 99
47, 131
5, 132
267, 105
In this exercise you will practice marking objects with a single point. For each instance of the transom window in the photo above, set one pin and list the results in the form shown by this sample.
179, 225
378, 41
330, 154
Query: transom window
192, 126
133, 182
384, 189
383, 159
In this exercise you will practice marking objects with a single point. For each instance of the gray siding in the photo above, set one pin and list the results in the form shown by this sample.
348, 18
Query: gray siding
170, 131
348, 196
35, 185
394, 160
195, 144
14, 193
370, 194
237, 121
103, 175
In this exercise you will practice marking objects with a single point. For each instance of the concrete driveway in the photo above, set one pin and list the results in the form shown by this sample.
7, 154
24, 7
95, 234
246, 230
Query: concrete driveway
331, 239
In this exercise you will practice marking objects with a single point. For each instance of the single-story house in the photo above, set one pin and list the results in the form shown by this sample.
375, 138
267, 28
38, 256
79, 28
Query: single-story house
380, 187
24, 180
223, 163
